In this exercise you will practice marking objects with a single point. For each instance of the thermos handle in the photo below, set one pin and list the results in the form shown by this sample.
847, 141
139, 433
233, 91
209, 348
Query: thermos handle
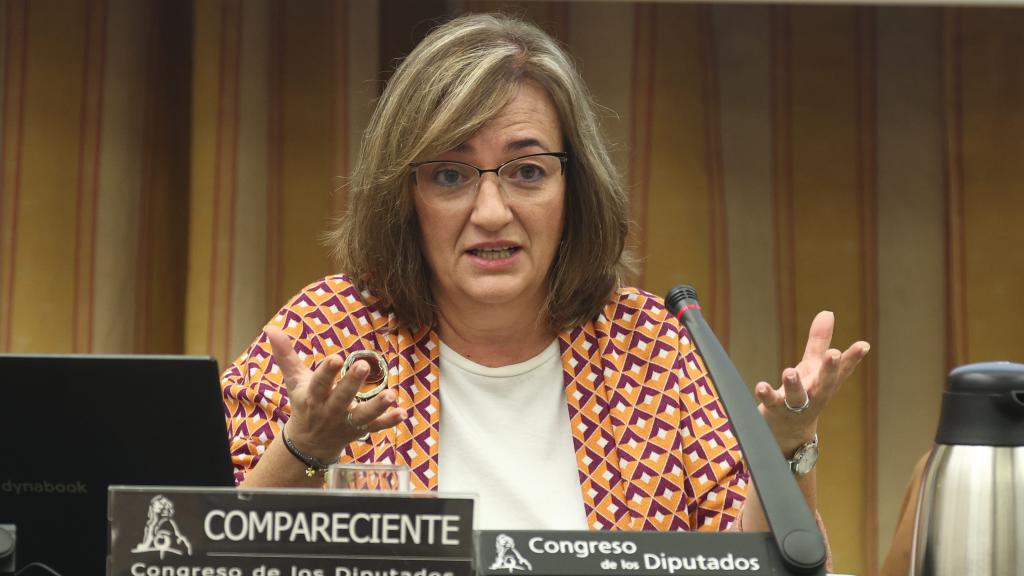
1011, 405
1018, 398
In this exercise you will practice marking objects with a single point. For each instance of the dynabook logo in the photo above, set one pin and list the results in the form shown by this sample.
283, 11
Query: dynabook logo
43, 487
508, 557
162, 534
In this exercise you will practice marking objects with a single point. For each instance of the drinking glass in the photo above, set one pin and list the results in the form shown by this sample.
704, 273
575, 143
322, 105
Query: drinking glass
372, 477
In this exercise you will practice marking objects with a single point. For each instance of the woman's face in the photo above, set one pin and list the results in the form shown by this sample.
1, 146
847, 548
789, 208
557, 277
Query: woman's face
496, 247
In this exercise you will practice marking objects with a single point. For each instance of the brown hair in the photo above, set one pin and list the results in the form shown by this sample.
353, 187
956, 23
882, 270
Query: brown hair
459, 77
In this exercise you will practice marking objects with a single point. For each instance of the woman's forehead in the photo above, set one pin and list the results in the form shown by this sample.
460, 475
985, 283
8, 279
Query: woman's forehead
529, 121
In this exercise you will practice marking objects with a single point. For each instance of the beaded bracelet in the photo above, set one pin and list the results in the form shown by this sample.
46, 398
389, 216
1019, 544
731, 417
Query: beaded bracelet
313, 464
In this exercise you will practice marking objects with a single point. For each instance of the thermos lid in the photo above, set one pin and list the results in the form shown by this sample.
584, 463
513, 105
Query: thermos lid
983, 406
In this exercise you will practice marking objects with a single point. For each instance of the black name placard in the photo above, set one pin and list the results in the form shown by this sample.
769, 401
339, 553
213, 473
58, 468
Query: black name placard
227, 532
566, 553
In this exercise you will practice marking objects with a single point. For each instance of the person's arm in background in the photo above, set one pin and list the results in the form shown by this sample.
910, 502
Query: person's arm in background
897, 561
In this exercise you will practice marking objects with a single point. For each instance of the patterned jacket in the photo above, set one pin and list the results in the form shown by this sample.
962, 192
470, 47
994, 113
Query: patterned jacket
654, 448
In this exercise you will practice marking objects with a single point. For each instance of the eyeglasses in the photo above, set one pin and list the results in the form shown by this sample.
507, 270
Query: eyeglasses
454, 184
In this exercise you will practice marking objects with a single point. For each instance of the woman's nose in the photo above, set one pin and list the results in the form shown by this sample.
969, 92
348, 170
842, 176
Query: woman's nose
490, 207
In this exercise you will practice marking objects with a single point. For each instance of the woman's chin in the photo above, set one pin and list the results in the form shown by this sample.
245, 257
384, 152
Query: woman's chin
503, 294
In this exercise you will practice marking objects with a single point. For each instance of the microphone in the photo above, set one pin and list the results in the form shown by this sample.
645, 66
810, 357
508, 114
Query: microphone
796, 534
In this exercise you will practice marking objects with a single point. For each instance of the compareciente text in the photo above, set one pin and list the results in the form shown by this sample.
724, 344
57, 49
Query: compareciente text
332, 527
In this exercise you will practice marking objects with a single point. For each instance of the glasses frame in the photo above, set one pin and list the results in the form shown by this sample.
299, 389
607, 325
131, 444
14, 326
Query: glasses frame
563, 157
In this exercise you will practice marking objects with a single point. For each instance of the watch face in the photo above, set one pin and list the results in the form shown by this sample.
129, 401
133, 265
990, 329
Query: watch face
804, 460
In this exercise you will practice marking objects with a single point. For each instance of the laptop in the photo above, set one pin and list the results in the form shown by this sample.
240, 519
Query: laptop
70, 426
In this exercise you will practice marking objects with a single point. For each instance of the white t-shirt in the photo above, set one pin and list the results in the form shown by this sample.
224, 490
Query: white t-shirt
505, 436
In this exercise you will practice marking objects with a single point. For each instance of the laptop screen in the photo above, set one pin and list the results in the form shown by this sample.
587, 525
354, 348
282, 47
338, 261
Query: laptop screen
73, 425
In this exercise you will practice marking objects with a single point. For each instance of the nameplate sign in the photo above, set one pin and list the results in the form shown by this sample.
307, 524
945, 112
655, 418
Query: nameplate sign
617, 553
227, 532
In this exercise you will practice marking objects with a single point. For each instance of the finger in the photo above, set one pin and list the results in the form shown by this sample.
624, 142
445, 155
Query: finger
851, 358
346, 389
292, 368
794, 391
827, 376
768, 395
819, 337
389, 419
379, 412
324, 376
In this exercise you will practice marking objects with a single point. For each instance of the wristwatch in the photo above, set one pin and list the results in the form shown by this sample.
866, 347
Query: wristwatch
804, 458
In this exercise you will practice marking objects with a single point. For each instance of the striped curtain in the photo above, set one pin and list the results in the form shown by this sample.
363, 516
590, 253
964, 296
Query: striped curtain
94, 175
168, 169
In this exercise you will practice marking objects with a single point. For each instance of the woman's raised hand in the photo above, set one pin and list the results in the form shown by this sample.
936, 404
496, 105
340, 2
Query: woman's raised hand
325, 415
792, 409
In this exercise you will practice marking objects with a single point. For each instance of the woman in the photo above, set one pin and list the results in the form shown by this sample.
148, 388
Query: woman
484, 248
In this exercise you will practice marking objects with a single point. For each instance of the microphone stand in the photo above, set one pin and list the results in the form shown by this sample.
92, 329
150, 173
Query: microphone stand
795, 533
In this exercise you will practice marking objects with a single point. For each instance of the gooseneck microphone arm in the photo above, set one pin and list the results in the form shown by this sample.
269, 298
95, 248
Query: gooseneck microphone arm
797, 538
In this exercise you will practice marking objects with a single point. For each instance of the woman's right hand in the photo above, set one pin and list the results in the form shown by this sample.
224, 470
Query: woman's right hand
325, 416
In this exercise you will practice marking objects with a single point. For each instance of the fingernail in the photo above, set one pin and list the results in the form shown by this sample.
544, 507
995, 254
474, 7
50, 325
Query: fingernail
388, 396
360, 369
791, 379
403, 414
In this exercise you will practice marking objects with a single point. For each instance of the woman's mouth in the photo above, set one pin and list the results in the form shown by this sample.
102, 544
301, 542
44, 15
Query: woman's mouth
494, 253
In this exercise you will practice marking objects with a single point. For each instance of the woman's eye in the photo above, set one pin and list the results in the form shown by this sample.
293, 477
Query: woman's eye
528, 173
448, 177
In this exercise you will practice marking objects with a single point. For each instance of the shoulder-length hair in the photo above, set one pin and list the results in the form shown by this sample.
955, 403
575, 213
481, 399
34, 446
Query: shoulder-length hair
459, 77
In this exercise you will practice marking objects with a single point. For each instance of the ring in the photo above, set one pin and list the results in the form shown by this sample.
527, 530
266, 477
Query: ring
378, 372
801, 408
357, 428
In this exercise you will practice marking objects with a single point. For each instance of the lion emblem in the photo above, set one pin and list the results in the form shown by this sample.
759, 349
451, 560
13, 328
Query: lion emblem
162, 534
508, 557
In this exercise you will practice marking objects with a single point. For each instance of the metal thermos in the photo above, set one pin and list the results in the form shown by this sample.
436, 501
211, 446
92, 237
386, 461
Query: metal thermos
970, 515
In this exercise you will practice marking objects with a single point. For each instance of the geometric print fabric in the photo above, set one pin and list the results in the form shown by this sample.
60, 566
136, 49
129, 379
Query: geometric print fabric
654, 448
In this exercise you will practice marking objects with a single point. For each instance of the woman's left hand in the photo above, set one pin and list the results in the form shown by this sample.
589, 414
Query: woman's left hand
792, 409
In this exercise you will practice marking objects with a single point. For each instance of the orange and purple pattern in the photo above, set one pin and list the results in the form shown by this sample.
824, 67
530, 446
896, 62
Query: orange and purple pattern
654, 448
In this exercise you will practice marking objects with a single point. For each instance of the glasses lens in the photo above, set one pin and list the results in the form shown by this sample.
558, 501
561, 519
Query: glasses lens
445, 180
531, 173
